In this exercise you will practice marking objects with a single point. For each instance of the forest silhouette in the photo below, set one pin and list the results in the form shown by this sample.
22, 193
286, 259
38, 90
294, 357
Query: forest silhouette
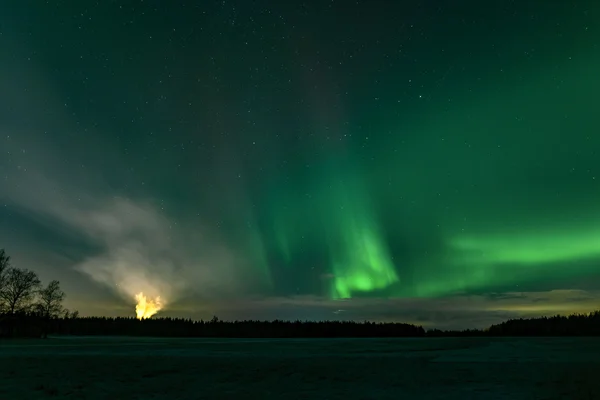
29, 309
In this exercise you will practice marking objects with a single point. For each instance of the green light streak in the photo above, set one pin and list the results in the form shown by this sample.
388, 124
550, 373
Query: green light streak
529, 249
360, 259
334, 214
283, 242
362, 263
477, 262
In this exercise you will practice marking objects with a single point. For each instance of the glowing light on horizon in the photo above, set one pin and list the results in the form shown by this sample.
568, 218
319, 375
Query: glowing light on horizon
146, 307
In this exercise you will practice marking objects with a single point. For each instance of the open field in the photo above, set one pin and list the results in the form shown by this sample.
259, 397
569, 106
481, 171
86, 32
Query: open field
432, 368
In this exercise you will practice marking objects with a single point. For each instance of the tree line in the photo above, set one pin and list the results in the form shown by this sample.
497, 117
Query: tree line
572, 325
27, 308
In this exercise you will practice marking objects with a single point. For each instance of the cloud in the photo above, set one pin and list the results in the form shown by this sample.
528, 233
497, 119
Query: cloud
134, 245
140, 249
452, 312
59, 176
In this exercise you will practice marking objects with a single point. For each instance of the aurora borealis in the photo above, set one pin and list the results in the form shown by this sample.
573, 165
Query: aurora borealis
417, 161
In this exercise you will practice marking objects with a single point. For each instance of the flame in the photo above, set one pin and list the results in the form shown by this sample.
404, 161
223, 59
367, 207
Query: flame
145, 308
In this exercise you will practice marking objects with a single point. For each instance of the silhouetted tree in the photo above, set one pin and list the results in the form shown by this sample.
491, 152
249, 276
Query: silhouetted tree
50, 300
50, 303
20, 288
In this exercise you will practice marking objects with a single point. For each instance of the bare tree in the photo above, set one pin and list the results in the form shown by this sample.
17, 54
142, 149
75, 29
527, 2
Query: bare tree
50, 304
51, 298
20, 287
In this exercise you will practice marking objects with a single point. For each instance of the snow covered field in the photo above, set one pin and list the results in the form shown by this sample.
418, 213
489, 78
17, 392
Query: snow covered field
433, 368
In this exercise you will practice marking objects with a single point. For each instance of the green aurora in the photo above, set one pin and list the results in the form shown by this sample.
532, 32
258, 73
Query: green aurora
494, 236
308, 156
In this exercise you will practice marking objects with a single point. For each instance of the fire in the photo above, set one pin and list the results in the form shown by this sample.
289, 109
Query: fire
145, 308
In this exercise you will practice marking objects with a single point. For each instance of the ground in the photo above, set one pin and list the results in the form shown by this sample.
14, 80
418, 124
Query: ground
432, 368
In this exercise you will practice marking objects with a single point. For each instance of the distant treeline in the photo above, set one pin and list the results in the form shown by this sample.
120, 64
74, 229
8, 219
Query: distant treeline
572, 325
28, 324
177, 327
27, 309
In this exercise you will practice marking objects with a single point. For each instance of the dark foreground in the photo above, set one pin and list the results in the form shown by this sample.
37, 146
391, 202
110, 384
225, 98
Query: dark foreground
429, 368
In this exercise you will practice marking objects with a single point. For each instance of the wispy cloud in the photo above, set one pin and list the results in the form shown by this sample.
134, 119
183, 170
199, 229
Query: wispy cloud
452, 312
137, 246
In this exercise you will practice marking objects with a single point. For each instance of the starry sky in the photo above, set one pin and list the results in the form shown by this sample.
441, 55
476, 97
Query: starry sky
429, 162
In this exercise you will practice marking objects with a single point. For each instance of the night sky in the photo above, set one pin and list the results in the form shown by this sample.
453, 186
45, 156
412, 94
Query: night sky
433, 162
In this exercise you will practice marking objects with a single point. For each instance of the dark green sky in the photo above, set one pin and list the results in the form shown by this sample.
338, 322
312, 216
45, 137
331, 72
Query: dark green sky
432, 162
